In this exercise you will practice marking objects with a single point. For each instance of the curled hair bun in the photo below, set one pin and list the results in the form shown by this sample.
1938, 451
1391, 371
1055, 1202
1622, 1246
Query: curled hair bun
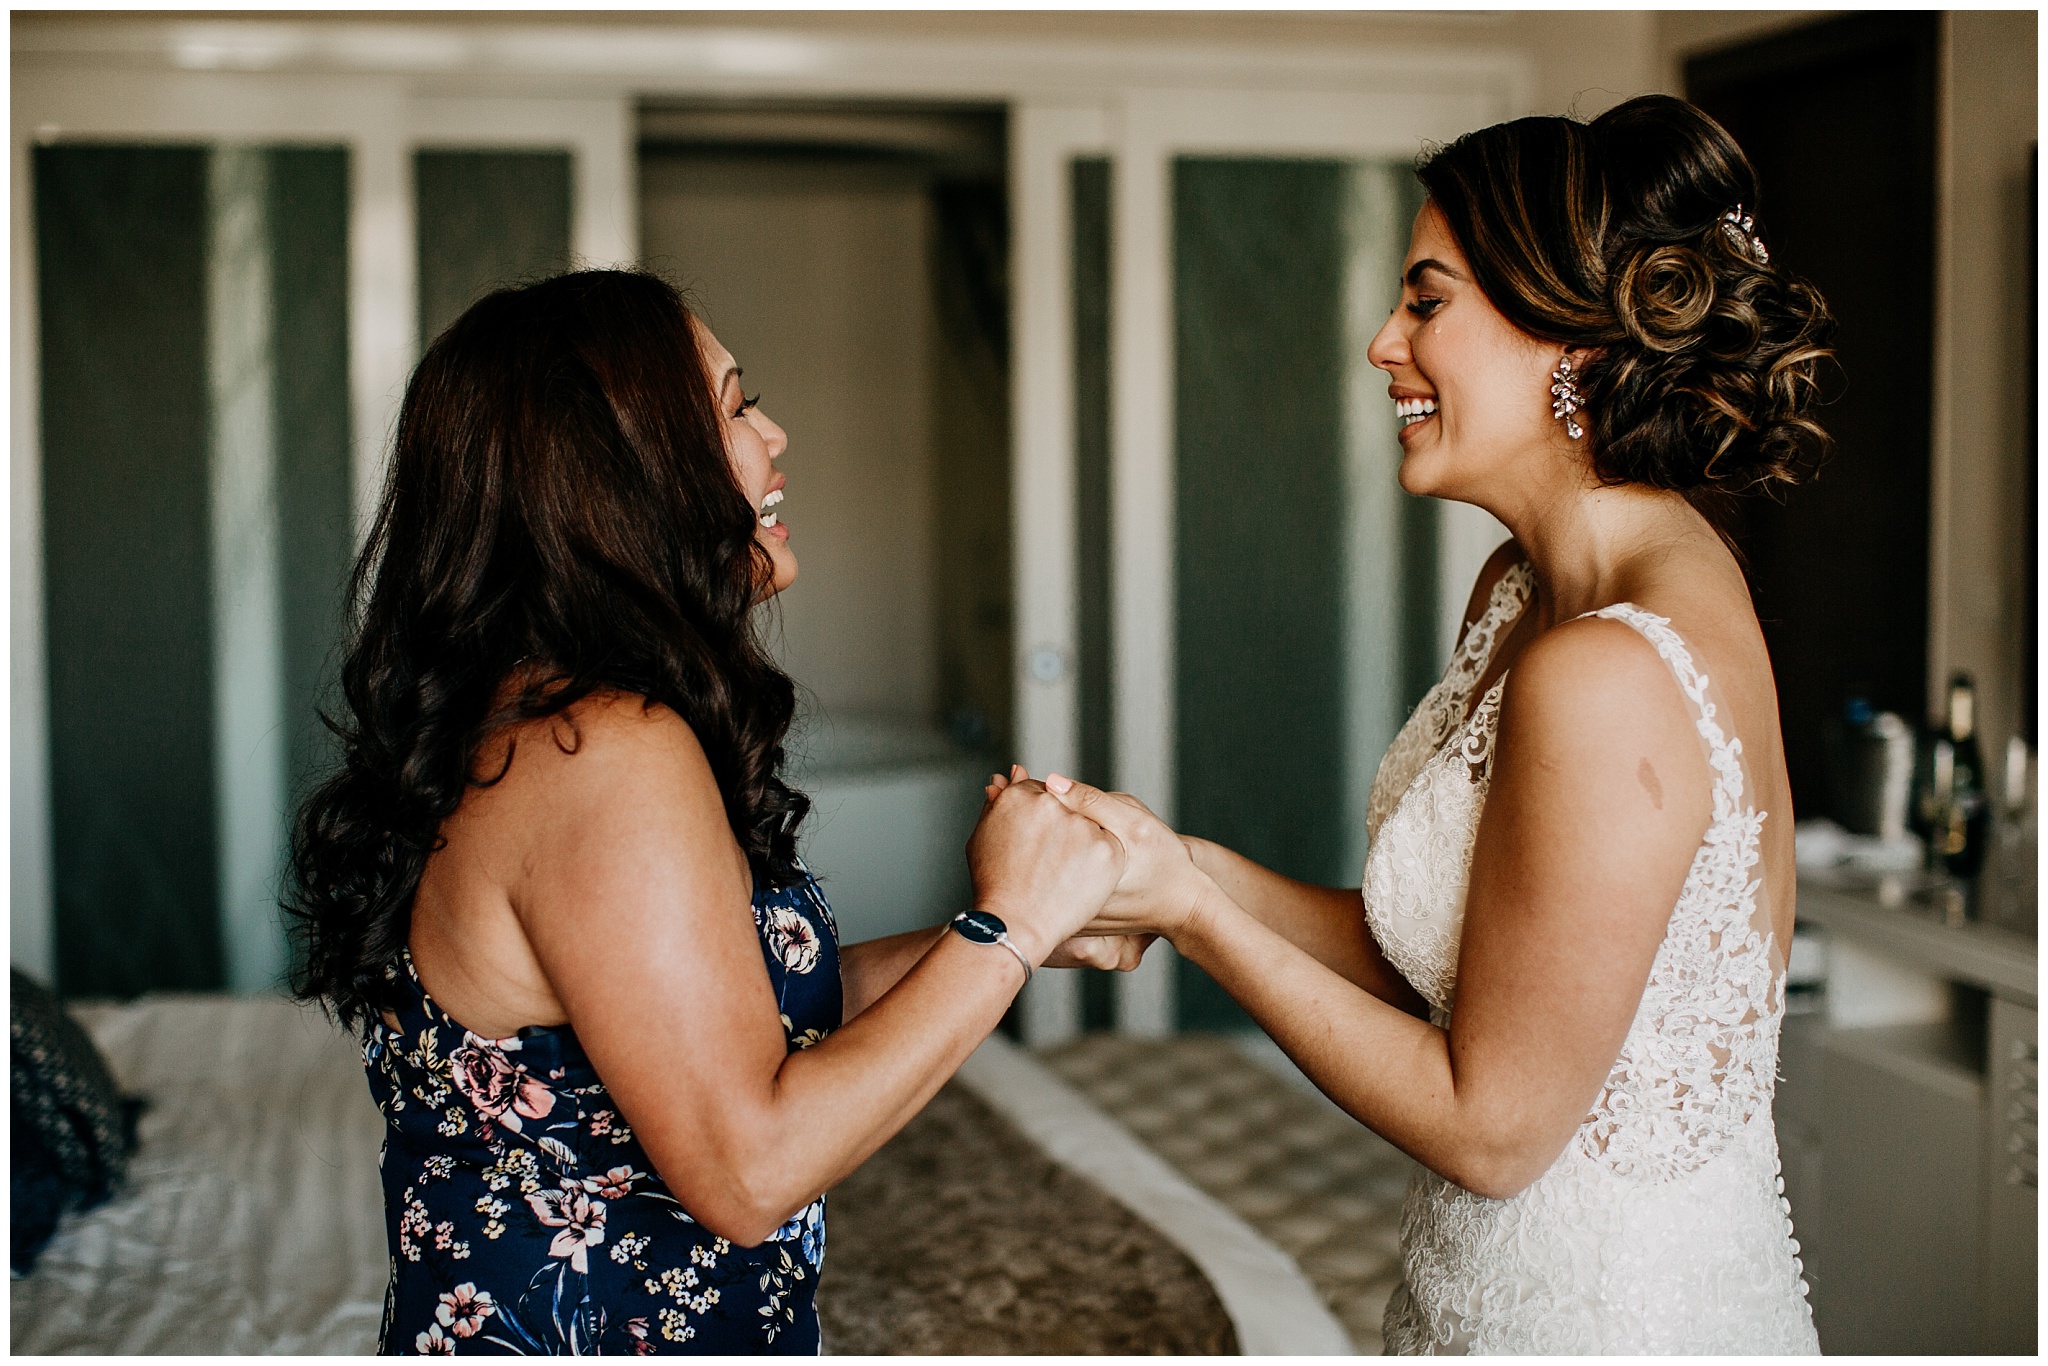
1661, 295
1612, 236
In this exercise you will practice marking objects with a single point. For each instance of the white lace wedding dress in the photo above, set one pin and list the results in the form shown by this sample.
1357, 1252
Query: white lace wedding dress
1662, 1227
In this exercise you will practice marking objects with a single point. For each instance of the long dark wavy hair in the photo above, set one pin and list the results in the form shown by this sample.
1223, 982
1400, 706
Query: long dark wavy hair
1609, 235
561, 514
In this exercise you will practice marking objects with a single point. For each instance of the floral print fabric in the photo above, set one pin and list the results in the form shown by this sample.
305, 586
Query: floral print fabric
523, 1216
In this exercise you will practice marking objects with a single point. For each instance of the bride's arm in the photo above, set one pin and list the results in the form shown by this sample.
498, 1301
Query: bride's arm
1598, 802
1327, 923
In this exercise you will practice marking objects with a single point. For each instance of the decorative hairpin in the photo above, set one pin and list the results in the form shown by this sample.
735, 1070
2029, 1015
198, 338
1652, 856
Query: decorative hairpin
1741, 229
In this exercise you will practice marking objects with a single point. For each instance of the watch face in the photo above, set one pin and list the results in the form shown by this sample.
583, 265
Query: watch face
979, 926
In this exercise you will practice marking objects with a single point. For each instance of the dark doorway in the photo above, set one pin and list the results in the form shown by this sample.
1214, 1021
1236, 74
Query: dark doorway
1838, 119
121, 240
124, 243
486, 219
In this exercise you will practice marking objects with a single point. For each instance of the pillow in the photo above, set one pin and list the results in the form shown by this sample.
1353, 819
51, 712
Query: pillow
72, 1132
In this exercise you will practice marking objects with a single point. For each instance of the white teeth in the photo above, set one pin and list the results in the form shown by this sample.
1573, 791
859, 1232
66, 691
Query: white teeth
1413, 410
772, 499
768, 520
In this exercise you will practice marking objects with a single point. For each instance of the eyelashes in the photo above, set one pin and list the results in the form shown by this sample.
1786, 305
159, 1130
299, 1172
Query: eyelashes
745, 404
1422, 308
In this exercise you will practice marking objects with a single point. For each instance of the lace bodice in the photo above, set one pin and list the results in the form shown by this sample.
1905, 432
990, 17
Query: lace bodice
1662, 1226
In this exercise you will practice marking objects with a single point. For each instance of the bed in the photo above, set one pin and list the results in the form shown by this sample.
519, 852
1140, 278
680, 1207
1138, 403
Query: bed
252, 1219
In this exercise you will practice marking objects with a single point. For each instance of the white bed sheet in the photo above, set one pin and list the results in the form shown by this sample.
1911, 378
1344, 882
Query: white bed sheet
252, 1221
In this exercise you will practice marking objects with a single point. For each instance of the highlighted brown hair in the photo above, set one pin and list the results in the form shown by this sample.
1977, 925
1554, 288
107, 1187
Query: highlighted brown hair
1608, 235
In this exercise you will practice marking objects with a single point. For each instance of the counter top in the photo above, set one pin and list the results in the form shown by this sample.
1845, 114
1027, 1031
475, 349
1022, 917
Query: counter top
1902, 920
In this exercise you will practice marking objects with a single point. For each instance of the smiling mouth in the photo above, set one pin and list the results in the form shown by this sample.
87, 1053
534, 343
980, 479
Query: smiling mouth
768, 518
1414, 410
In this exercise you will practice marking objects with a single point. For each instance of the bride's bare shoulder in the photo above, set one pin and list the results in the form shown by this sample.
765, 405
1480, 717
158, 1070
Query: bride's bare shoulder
1593, 700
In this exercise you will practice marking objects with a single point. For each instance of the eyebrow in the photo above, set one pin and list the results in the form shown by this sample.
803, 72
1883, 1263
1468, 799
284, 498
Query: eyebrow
1427, 264
733, 372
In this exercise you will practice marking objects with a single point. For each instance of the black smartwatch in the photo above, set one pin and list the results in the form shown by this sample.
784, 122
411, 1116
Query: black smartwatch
982, 927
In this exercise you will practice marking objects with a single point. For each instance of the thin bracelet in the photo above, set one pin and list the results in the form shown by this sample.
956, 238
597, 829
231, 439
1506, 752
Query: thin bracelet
1005, 942
985, 927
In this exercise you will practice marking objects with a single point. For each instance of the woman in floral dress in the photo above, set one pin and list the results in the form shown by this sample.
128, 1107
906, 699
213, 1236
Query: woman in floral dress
554, 883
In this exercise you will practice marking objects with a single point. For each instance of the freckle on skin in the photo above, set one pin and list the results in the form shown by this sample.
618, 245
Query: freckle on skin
1647, 776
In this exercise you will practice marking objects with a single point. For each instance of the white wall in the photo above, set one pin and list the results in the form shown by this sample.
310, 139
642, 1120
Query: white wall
1579, 60
815, 279
383, 83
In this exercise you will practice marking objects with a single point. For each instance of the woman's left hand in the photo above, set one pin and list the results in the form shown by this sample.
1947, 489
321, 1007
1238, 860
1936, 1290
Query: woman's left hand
1161, 888
1095, 947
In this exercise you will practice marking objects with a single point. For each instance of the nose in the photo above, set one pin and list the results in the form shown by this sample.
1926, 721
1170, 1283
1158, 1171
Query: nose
1389, 349
772, 433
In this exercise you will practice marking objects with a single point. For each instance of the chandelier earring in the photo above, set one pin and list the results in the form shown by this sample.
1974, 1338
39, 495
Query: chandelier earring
1565, 400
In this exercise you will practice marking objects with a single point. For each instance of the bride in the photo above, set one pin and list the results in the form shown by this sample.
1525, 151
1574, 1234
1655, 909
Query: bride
1564, 994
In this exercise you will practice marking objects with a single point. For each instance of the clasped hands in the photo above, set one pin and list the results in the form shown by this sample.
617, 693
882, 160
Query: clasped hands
1085, 878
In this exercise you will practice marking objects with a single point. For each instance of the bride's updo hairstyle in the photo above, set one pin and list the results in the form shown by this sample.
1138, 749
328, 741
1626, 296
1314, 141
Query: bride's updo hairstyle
560, 515
1615, 236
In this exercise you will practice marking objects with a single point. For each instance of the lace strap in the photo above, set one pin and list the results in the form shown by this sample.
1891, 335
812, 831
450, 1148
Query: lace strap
1441, 713
1724, 752
1477, 746
1503, 605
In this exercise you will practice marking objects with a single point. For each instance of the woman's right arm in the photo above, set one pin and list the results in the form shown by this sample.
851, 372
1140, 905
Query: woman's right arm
1327, 923
635, 899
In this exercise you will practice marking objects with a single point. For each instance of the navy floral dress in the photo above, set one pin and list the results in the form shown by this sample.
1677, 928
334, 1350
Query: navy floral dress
524, 1217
